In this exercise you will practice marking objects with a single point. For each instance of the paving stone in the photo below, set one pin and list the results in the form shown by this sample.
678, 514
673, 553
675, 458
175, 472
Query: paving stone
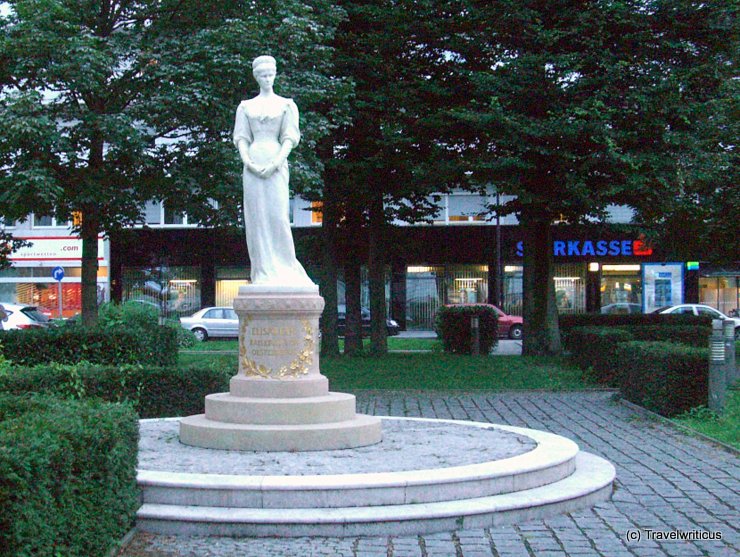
666, 481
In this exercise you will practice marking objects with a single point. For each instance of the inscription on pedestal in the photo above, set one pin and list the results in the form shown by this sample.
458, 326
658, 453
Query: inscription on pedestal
271, 350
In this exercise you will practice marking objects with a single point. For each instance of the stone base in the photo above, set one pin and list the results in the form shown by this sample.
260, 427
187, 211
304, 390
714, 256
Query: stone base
279, 401
359, 431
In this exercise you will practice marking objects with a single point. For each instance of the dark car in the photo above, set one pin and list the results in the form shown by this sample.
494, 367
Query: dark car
391, 324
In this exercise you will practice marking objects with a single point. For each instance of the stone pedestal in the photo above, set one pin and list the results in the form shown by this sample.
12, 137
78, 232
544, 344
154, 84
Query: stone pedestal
279, 401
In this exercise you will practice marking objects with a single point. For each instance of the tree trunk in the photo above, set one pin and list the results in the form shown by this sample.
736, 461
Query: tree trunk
329, 337
353, 316
376, 264
541, 331
89, 279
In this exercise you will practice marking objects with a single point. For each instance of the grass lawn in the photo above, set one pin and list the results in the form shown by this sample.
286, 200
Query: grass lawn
725, 428
394, 343
432, 371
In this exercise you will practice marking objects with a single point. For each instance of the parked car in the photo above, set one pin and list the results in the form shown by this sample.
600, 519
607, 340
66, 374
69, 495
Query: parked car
509, 326
700, 309
212, 322
622, 308
391, 324
24, 317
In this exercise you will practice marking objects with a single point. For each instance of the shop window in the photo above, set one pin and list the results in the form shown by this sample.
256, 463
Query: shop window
424, 294
722, 293
513, 288
621, 289
428, 287
172, 290
570, 287
228, 281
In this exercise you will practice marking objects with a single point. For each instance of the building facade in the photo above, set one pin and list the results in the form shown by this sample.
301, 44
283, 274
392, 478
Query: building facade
459, 258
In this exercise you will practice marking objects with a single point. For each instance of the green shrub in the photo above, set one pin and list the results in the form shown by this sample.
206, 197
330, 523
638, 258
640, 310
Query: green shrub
568, 322
593, 349
153, 392
67, 476
156, 346
664, 377
691, 335
452, 324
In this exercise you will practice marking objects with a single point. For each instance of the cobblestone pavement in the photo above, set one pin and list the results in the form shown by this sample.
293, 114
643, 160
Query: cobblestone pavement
667, 484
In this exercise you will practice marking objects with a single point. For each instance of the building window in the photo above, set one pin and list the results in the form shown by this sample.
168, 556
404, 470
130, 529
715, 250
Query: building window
47, 221
157, 213
466, 208
317, 213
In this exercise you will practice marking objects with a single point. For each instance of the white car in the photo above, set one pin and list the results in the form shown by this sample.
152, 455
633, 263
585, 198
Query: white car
23, 317
212, 322
700, 309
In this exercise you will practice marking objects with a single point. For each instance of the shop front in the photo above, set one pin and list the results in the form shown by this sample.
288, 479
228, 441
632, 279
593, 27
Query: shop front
31, 281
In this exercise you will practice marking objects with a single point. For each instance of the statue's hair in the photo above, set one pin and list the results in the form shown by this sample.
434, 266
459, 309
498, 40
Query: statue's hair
263, 61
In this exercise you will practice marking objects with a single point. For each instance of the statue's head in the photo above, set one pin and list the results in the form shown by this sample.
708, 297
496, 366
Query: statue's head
263, 63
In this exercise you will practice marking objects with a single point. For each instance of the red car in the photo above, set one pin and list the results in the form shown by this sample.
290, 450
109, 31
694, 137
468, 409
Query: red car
509, 326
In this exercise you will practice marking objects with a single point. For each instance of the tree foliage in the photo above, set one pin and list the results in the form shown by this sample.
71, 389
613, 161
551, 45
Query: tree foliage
106, 104
576, 104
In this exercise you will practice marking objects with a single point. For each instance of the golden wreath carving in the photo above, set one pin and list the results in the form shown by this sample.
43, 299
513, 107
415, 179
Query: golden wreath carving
299, 366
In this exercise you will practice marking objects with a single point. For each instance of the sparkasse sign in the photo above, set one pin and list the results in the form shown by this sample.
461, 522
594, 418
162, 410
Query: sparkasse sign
595, 248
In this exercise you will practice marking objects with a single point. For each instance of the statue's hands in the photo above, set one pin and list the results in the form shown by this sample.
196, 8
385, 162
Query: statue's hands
270, 169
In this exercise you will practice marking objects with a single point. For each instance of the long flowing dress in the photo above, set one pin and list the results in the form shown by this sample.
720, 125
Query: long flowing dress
265, 125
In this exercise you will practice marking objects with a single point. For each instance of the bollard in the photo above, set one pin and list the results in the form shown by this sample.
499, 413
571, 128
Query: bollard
717, 376
728, 330
475, 336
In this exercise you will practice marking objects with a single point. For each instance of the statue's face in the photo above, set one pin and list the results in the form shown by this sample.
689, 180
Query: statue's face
265, 76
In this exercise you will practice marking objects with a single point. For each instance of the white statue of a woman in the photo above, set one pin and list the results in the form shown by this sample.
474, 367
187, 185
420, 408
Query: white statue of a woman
265, 132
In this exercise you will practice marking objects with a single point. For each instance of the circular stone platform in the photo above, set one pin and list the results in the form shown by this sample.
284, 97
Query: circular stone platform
406, 445
425, 476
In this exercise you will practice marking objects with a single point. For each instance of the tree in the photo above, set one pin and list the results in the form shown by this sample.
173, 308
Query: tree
387, 165
699, 103
8, 245
107, 104
566, 112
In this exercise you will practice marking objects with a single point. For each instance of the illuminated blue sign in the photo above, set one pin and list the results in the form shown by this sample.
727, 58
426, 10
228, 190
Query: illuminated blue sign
582, 248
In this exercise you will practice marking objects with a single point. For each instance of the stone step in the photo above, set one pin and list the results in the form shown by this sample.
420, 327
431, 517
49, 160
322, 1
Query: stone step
552, 459
359, 431
590, 483
331, 407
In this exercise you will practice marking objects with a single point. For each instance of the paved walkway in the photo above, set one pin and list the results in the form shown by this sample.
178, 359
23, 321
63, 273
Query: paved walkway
668, 484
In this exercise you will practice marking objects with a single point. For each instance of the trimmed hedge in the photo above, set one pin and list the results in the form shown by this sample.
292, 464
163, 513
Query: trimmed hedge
156, 347
67, 476
452, 324
664, 377
153, 392
691, 335
593, 350
570, 321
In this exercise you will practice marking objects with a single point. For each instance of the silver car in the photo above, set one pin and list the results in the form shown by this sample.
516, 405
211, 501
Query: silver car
212, 322
701, 309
